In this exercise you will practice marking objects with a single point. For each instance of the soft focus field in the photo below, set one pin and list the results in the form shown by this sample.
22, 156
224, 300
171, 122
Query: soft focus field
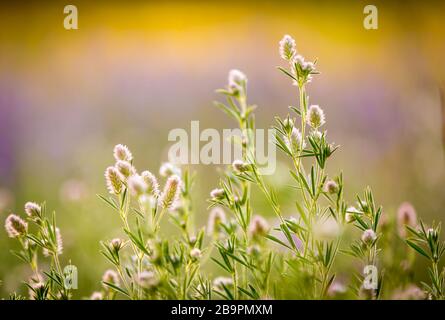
133, 72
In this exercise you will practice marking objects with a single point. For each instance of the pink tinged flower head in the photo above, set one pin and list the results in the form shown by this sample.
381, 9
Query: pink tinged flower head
116, 244
217, 193
33, 210
110, 276
237, 80
171, 192
125, 169
240, 166
147, 279
152, 183
216, 217
121, 152
258, 227
222, 282
97, 296
331, 187
406, 216
168, 169
195, 254
137, 185
369, 236
113, 181
296, 142
288, 48
315, 116
15, 226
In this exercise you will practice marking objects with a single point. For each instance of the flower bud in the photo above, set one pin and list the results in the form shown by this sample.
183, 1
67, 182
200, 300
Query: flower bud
33, 210
287, 48
369, 236
315, 116
113, 181
122, 152
15, 226
171, 192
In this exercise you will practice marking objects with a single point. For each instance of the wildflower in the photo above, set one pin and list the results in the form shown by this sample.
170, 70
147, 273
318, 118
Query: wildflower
195, 254
152, 183
168, 169
254, 250
412, 292
406, 216
125, 169
37, 290
147, 279
331, 187
288, 124
59, 245
237, 81
114, 184
432, 234
239, 166
217, 193
336, 289
302, 70
15, 226
216, 217
222, 282
97, 296
137, 185
326, 229
237, 77
258, 227
287, 47
171, 191
369, 236
33, 210
296, 141
315, 116
116, 244
351, 212
110, 276
122, 152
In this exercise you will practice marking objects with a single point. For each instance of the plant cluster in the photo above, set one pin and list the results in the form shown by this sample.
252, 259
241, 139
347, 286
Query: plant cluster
254, 256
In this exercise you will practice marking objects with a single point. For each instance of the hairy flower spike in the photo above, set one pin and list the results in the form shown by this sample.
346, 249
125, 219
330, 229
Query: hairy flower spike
295, 142
315, 117
33, 210
113, 181
152, 183
137, 185
217, 193
97, 296
221, 282
406, 216
237, 81
258, 227
168, 169
240, 166
331, 187
110, 276
195, 254
125, 169
287, 48
121, 152
147, 279
369, 236
15, 226
171, 192
216, 217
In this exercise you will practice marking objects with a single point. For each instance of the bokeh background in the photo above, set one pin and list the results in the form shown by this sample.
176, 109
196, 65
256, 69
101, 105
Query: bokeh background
135, 70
